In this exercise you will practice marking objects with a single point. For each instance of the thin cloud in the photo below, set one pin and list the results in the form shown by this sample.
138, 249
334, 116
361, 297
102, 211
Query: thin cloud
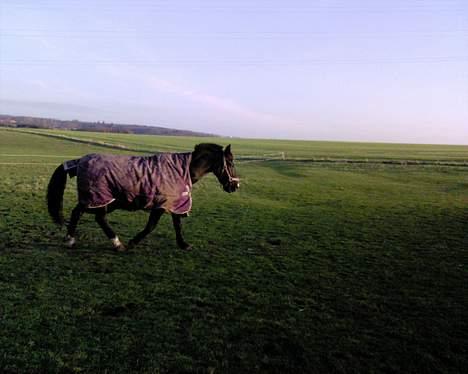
215, 103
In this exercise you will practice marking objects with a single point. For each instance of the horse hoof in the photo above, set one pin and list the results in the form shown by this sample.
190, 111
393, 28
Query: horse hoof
118, 245
70, 241
120, 248
185, 246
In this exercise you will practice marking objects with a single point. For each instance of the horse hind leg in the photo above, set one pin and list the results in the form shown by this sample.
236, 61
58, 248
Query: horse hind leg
100, 216
77, 212
153, 220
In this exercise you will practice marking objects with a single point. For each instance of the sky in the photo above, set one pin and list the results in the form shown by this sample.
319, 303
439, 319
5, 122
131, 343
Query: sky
385, 71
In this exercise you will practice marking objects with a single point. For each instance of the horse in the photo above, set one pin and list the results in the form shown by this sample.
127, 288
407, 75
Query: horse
157, 183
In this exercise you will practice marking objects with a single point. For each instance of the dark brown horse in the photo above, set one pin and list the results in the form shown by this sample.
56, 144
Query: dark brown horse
158, 183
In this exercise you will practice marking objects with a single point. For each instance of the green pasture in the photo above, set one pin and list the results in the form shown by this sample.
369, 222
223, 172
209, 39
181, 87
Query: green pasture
279, 148
310, 268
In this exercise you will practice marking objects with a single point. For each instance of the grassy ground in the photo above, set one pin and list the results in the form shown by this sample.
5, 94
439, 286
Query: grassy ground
276, 148
308, 268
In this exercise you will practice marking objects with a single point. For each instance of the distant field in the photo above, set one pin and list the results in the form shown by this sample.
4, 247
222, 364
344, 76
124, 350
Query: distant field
20, 147
276, 148
309, 268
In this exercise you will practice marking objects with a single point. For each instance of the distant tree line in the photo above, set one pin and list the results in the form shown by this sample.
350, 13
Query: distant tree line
100, 126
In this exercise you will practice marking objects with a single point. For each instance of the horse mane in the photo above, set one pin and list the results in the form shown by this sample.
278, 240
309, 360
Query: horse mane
204, 157
208, 147
207, 151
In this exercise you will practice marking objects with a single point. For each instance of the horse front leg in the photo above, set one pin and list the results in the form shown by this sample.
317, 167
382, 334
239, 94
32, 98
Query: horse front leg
153, 220
76, 214
100, 216
177, 221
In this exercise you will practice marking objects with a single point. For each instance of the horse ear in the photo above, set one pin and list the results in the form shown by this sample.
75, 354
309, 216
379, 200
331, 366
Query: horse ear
227, 151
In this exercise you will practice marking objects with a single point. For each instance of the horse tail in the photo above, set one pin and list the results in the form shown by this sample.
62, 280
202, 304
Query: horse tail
55, 191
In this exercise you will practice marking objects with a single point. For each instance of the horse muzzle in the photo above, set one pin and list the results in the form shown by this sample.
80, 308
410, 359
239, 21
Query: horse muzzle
232, 185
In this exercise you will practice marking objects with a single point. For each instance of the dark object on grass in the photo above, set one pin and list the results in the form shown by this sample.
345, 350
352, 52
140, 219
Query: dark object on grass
158, 183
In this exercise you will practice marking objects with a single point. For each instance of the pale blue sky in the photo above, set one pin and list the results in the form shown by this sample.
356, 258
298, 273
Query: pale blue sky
394, 71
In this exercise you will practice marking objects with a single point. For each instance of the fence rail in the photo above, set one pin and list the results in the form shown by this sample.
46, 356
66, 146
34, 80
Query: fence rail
265, 157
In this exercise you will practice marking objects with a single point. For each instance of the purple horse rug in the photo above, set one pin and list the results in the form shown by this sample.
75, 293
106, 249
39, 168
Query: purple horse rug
158, 181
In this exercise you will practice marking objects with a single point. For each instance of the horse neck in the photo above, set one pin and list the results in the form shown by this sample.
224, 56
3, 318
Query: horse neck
200, 165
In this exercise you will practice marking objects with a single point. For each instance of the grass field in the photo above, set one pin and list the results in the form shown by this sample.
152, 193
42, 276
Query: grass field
310, 267
279, 148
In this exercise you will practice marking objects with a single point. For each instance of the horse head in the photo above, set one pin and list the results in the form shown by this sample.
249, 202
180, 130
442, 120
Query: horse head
226, 173
212, 158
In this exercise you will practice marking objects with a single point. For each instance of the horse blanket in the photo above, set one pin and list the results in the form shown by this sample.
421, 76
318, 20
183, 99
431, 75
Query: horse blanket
158, 181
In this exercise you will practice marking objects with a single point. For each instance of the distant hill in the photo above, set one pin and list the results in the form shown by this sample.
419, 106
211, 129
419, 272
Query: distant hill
50, 123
